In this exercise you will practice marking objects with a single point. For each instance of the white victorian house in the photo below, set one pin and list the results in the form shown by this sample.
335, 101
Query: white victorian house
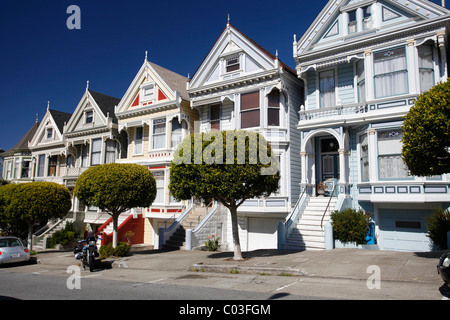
240, 85
91, 138
363, 63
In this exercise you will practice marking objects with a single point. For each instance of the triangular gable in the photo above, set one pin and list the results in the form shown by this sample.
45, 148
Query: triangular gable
232, 50
331, 25
50, 130
80, 119
153, 85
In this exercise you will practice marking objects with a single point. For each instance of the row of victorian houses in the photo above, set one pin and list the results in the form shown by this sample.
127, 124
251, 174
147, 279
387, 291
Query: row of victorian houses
337, 118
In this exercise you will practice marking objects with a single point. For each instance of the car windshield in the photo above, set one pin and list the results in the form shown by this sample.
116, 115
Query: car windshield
10, 242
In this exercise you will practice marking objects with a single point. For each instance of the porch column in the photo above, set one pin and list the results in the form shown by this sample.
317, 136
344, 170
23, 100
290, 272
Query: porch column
371, 143
304, 170
342, 172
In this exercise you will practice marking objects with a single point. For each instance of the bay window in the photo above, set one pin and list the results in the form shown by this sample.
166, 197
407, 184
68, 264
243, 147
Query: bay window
327, 89
41, 165
352, 22
390, 162
110, 155
52, 164
159, 134
177, 133
391, 75
250, 110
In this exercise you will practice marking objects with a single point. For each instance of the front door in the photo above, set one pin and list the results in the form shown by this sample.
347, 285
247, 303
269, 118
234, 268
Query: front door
329, 159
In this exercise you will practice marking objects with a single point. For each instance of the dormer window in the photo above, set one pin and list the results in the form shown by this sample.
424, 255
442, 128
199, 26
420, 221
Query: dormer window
232, 64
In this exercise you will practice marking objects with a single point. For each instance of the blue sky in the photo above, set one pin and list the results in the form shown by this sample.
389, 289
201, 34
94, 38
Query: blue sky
42, 60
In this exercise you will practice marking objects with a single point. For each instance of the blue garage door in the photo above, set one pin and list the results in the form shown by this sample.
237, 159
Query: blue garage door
404, 230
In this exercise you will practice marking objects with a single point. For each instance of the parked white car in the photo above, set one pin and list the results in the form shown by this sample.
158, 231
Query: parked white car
12, 250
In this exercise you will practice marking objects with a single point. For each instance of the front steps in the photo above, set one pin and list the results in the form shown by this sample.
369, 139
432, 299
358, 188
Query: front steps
308, 234
178, 240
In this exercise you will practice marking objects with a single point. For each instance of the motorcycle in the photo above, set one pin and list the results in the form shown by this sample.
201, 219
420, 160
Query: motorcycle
87, 253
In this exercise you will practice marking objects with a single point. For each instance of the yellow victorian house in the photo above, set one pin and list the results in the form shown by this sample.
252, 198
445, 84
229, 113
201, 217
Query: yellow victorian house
154, 116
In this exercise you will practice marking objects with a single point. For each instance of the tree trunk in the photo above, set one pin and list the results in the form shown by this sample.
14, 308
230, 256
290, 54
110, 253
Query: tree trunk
235, 230
115, 228
30, 236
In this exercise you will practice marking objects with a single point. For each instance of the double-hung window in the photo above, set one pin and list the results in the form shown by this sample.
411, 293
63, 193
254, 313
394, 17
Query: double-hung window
89, 116
352, 22
361, 78
96, 152
232, 64
250, 110
41, 165
327, 89
391, 75
148, 92
52, 164
138, 140
159, 134
390, 162
159, 177
273, 112
367, 17
177, 133
110, 155
214, 113
426, 67
364, 154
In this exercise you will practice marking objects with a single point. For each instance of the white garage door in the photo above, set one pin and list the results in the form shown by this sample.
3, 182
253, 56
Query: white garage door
262, 233
404, 230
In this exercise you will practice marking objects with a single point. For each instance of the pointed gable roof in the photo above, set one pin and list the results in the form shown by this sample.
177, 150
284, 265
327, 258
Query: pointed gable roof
105, 103
60, 118
328, 35
232, 41
170, 85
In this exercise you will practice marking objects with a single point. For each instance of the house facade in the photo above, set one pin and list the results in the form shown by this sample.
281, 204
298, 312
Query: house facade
240, 85
154, 116
91, 138
363, 64
18, 161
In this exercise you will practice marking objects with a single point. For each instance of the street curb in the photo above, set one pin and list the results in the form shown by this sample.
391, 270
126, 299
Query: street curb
249, 270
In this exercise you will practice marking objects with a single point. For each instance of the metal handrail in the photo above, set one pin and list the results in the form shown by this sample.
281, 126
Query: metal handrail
174, 216
324, 213
298, 201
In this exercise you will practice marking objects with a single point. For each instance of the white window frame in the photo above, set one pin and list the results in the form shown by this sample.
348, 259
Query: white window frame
148, 92
138, 143
155, 122
87, 116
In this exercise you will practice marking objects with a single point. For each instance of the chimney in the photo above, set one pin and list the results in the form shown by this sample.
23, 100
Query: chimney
443, 3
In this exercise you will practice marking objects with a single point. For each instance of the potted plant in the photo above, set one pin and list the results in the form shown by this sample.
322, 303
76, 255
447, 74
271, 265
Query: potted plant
129, 234
321, 189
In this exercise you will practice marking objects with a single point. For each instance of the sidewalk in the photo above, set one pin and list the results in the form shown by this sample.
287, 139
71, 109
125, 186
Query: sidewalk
337, 263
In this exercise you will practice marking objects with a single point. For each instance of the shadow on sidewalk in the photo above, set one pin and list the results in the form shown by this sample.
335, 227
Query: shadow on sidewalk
253, 254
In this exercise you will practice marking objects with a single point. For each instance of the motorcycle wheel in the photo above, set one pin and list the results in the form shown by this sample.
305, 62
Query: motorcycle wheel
91, 263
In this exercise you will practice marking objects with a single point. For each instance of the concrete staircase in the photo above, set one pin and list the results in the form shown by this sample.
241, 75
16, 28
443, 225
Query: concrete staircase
178, 240
110, 227
308, 234
41, 239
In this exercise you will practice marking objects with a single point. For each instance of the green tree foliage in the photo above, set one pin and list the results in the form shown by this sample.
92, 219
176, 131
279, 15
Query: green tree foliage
438, 224
34, 203
229, 166
426, 138
116, 188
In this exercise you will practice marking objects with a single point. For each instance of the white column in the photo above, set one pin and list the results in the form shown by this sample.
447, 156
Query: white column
372, 155
342, 173
412, 67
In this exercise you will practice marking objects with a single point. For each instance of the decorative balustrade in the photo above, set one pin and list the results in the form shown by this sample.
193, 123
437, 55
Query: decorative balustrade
333, 112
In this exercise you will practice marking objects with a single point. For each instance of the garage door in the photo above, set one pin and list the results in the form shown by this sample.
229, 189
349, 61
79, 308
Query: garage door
404, 230
262, 233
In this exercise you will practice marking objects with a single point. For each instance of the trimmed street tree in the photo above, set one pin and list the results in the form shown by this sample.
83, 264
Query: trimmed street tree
229, 166
426, 133
116, 188
34, 203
